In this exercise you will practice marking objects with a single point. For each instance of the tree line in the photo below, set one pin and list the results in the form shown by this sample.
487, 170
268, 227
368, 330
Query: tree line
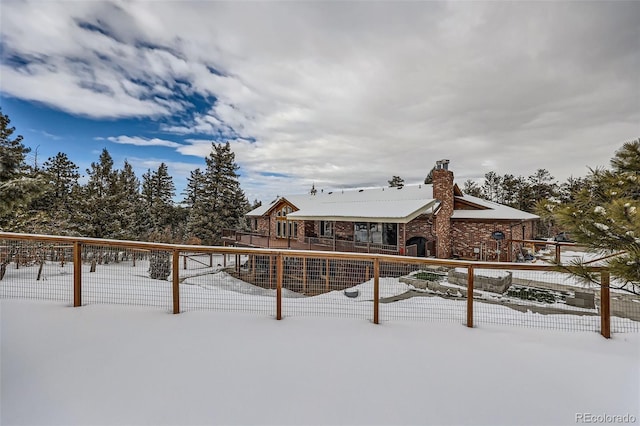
114, 203
539, 193
600, 210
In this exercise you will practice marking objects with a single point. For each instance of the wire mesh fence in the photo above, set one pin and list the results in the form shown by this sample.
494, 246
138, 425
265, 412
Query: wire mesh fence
36, 270
412, 291
286, 283
227, 282
119, 275
324, 286
534, 299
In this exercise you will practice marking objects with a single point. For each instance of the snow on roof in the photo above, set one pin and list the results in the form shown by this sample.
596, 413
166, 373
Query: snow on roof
384, 204
262, 209
493, 211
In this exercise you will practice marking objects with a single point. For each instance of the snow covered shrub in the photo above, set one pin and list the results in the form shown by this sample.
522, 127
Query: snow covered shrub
159, 265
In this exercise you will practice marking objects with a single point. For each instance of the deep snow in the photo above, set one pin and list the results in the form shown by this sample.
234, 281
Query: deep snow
105, 364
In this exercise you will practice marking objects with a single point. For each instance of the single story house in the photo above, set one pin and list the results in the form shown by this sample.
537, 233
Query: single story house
421, 220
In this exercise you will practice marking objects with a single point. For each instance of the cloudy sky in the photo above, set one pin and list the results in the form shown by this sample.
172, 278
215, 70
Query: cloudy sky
343, 94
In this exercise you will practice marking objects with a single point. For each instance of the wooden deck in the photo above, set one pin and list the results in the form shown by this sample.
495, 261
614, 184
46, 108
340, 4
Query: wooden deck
261, 241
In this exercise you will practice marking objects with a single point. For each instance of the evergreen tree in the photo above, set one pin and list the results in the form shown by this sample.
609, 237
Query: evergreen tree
523, 199
606, 217
99, 215
221, 203
50, 212
569, 189
471, 188
396, 182
195, 187
509, 190
157, 192
429, 179
132, 212
547, 209
17, 185
543, 185
62, 175
492, 188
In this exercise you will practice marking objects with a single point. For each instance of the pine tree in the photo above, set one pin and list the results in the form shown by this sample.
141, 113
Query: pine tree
131, 209
157, 192
221, 204
471, 188
569, 189
194, 189
396, 182
429, 179
605, 216
492, 188
523, 199
17, 185
543, 185
99, 216
50, 212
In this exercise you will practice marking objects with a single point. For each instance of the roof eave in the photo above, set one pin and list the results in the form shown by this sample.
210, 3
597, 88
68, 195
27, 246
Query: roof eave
385, 219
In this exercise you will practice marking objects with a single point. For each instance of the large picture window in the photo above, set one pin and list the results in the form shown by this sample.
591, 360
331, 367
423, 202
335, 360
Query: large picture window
376, 233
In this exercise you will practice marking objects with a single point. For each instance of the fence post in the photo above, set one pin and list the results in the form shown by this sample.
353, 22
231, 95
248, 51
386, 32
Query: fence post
184, 262
304, 275
326, 270
605, 305
279, 286
558, 255
176, 281
376, 291
77, 274
470, 296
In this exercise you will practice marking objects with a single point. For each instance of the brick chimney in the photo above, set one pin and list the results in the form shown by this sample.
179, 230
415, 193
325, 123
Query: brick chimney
443, 192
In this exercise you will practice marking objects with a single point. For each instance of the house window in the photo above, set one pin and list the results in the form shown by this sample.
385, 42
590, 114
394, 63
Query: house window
326, 228
361, 232
286, 229
390, 234
376, 233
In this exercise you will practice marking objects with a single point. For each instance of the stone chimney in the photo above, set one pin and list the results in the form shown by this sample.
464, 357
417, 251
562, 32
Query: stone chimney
443, 192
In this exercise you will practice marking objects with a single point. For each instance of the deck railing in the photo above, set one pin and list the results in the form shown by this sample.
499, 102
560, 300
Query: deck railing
261, 240
287, 282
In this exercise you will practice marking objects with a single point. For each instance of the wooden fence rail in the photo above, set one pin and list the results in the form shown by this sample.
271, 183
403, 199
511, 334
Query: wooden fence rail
178, 250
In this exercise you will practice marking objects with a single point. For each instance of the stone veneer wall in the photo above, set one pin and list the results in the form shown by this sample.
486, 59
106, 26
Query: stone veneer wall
443, 192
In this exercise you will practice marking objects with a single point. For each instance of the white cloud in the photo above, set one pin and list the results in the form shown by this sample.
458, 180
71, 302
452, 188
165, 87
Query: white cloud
346, 93
138, 141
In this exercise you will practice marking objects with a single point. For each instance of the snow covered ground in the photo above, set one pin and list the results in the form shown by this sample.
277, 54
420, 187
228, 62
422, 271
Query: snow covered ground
325, 363
106, 365
211, 288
